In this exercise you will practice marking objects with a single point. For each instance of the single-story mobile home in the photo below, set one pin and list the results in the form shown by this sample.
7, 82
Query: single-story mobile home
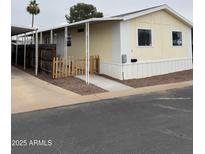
139, 44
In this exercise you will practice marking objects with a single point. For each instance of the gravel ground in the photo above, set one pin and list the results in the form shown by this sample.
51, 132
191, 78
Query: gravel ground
157, 80
73, 84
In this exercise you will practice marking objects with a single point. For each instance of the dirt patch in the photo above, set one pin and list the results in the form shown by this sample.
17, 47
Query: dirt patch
157, 80
69, 83
73, 84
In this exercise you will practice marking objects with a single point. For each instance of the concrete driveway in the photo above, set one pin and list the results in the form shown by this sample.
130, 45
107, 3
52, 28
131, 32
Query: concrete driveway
29, 92
157, 123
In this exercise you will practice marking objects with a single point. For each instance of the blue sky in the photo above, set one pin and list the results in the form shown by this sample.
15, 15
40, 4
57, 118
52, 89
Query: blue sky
53, 11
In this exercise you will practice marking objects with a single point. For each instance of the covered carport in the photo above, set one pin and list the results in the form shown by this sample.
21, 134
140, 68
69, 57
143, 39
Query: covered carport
21, 32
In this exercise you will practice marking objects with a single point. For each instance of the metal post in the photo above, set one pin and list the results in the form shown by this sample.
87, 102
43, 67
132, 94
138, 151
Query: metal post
87, 53
36, 47
51, 37
41, 38
33, 38
16, 61
24, 60
66, 51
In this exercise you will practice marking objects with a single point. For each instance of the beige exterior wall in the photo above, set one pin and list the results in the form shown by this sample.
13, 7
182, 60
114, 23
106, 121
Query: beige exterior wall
162, 24
77, 47
100, 41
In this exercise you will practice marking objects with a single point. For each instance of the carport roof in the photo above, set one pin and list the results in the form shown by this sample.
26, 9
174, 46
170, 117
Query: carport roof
17, 30
91, 20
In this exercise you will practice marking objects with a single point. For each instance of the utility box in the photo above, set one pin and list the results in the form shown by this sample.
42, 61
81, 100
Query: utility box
124, 58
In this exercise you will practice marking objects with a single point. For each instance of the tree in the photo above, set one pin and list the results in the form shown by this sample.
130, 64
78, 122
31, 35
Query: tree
82, 11
33, 9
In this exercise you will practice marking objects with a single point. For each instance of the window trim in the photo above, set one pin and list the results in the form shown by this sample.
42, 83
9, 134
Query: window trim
137, 43
176, 46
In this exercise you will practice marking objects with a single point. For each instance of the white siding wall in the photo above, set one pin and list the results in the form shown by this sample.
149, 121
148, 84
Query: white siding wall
146, 68
111, 69
152, 68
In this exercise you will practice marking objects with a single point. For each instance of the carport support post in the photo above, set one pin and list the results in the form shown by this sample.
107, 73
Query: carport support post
66, 51
33, 38
36, 48
86, 58
87, 52
51, 37
41, 38
16, 61
24, 60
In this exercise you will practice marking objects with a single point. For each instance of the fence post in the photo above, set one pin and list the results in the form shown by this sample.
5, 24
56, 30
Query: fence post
78, 65
56, 67
98, 64
63, 67
61, 70
53, 72
69, 66
81, 66
72, 65
95, 68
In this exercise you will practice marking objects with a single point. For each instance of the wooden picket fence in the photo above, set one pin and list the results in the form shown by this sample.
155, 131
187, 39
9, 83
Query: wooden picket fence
75, 66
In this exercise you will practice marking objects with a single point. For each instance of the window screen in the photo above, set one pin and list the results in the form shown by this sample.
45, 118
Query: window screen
177, 38
144, 37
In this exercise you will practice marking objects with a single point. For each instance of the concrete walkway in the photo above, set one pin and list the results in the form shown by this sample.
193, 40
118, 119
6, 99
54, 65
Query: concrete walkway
106, 83
29, 93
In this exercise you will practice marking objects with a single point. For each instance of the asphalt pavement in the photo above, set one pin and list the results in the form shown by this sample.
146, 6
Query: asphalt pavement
156, 123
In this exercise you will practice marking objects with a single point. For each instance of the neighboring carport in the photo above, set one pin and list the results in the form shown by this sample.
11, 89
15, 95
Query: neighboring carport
21, 31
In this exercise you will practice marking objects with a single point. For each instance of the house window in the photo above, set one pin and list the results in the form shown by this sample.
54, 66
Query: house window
177, 38
144, 37
69, 39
